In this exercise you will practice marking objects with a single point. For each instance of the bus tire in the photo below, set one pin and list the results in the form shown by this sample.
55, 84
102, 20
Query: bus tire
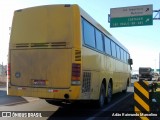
109, 92
125, 90
102, 95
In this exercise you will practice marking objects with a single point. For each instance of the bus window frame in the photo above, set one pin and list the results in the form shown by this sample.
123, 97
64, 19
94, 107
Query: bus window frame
123, 53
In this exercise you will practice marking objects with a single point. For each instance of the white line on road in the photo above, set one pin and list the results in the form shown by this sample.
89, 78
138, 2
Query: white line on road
108, 107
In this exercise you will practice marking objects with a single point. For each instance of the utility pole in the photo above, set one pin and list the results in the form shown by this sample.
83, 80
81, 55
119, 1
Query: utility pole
155, 65
157, 17
159, 63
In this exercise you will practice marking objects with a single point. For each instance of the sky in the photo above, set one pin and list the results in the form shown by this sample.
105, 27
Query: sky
142, 41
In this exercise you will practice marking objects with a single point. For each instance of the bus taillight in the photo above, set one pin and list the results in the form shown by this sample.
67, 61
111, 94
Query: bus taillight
9, 71
76, 72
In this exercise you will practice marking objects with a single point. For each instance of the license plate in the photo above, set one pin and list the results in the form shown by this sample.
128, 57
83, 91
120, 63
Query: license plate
39, 82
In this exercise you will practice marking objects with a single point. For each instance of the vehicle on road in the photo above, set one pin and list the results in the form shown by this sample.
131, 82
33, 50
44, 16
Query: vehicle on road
145, 73
134, 76
60, 53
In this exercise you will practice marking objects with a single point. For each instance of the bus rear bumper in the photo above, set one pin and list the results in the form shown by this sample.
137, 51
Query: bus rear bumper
72, 93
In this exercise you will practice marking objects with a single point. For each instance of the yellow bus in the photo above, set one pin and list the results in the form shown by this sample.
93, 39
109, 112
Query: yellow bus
60, 53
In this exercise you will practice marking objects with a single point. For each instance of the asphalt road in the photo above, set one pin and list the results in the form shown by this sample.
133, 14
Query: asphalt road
81, 111
121, 102
10, 100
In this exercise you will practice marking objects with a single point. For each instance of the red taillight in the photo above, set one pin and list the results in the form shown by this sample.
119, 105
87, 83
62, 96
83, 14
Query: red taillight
76, 73
52, 90
9, 71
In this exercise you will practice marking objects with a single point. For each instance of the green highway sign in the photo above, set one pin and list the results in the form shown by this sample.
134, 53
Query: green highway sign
131, 21
131, 16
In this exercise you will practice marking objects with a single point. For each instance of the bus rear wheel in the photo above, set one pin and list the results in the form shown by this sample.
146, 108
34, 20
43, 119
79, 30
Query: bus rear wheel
102, 95
127, 84
109, 92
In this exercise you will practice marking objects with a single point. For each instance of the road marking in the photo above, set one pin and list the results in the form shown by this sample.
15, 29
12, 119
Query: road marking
107, 108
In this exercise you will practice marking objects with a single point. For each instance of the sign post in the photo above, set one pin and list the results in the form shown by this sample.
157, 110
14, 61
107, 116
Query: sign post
131, 16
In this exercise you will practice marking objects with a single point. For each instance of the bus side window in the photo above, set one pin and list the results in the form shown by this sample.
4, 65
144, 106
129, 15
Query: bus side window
89, 34
113, 46
99, 40
107, 43
122, 55
118, 52
125, 57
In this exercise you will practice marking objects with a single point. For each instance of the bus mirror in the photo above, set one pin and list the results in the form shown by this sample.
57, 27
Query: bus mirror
130, 61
